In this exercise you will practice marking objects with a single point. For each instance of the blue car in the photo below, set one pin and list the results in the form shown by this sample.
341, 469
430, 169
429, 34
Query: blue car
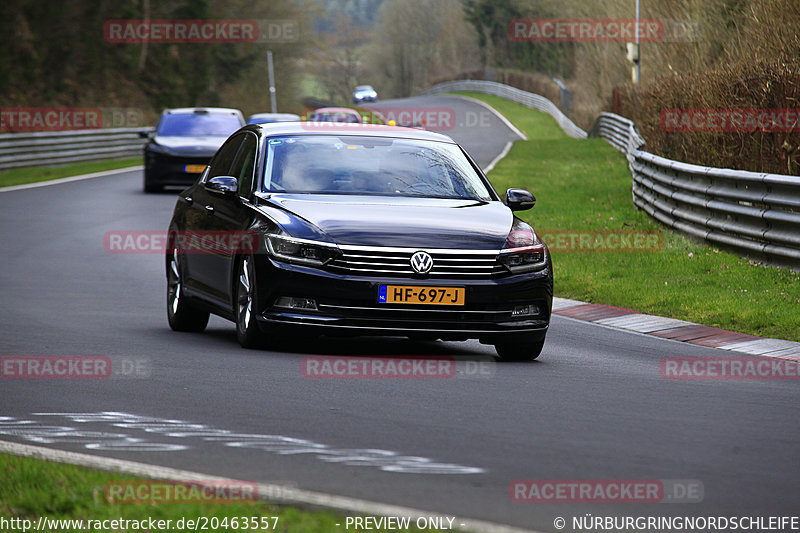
364, 93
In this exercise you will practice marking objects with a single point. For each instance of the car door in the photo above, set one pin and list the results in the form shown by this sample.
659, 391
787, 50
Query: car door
232, 217
202, 225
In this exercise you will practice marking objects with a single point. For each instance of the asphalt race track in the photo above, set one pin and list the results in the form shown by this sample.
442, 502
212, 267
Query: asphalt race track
594, 406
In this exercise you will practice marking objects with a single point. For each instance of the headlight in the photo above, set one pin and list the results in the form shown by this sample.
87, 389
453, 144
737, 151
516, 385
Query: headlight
524, 251
156, 149
301, 251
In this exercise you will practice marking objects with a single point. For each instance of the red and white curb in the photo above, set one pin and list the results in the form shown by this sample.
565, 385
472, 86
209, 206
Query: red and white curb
679, 330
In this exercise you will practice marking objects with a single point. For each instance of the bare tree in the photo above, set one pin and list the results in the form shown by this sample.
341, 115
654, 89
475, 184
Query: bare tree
337, 60
417, 41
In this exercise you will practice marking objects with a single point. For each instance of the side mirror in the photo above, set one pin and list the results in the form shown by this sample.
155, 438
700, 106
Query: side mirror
146, 134
519, 199
226, 185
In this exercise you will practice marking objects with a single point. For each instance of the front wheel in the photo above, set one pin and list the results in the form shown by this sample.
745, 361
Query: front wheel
247, 331
180, 313
519, 351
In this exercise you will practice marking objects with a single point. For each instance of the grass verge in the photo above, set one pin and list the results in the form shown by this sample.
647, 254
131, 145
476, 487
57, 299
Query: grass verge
18, 176
34, 488
586, 185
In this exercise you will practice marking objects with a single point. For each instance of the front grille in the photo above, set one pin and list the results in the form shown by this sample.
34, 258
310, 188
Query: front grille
366, 261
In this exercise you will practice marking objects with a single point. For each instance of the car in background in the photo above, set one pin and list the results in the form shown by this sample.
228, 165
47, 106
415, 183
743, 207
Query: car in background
364, 93
268, 118
341, 115
183, 143
388, 231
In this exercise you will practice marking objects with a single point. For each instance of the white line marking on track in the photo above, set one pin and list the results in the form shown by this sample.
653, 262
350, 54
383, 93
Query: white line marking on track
497, 159
281, 494
67, 180
493, 110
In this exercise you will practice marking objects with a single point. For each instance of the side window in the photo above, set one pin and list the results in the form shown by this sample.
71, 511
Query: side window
221, 164
245, 165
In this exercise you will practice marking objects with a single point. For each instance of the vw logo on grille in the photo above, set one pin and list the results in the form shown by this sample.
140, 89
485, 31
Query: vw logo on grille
421, 262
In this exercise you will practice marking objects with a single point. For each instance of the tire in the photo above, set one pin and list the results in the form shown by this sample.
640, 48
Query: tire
150, 187
180, 313
519, 351
247, 331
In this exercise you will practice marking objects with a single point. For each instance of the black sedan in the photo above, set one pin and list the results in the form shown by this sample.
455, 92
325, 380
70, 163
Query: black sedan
356, 230
184, 142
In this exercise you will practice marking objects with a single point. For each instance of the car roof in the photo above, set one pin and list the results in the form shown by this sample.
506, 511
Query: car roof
272, 115
364, 87
214, 110
335, 128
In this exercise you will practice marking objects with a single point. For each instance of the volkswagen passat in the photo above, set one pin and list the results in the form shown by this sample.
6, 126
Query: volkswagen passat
356, 230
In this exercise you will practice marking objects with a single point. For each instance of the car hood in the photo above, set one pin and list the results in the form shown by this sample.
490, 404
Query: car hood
191, 146
400, 222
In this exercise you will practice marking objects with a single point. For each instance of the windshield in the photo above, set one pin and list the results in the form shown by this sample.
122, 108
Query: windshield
376, 166
269, 119
198, 124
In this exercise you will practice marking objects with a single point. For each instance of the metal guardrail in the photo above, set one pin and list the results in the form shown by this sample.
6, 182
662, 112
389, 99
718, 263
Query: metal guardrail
620, 132
525, 98
751, 213
57, 147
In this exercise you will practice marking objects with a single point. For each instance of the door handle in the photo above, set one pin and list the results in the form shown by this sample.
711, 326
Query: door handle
188, 199
210, 209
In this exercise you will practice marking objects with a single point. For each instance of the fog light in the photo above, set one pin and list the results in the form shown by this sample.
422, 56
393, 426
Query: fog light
525, 310
296, 303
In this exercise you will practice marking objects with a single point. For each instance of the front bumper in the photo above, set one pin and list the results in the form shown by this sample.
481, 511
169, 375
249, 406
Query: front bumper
349, 305
163, 169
